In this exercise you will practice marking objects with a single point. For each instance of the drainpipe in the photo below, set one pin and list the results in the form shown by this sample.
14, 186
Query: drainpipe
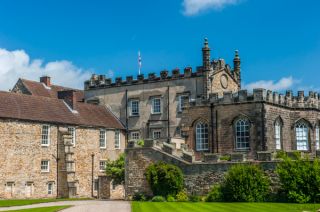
92, 177
211, 124
263, 130
217, 131
168, 106
127, 130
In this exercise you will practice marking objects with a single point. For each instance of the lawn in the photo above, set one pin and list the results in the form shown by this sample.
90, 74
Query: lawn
43, 209
221, 207
19, 202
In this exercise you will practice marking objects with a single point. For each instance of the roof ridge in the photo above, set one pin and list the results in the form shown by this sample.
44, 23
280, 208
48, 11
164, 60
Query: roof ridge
33, 81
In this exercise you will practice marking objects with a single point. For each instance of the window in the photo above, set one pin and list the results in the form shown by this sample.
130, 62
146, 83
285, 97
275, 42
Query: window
72, 132
45, 135
182, 102
202, 141
242, 134
277, 134
102, 165
302, 136
96, 185
44, 166
156, 106
317, 137
134, 108
70, 166
135, 135
103, 139
50, 188
156, 134
117, 139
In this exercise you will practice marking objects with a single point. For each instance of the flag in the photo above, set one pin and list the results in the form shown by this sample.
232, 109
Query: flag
139, 62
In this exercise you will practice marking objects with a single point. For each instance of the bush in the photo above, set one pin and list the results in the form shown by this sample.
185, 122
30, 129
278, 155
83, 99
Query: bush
245, 183
215, 194
182, 196
158, 199
139, 197
164, 179
225, 158
170, 198
195, 198
115, 169
140, 142
300, 179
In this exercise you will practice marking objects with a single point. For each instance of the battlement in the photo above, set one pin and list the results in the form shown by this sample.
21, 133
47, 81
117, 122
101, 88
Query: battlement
100, 81
263, 95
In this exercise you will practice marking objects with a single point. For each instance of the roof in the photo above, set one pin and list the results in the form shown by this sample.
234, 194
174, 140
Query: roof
39, 89
54, 110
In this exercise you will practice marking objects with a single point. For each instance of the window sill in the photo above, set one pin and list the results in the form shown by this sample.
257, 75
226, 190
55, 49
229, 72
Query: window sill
134, 116
242, 150
103, 148
44, 172
155, 113
45, 145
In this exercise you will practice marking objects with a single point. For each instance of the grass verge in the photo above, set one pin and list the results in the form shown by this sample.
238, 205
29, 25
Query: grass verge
221, 207
43, 209
19, 202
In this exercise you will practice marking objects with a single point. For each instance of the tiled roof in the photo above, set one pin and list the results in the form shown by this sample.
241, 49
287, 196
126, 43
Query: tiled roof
54, 110
39, 89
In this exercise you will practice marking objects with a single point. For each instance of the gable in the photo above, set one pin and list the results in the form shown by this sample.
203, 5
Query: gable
223, 81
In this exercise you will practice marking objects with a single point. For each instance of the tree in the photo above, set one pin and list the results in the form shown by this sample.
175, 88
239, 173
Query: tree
115, 169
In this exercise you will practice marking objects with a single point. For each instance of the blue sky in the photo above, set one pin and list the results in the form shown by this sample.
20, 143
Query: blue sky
278, 41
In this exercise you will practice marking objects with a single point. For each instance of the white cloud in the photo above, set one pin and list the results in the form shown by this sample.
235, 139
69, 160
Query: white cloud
283, 84
193, 7
17, 64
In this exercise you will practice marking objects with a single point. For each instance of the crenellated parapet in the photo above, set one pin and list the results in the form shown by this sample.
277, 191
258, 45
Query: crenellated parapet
100, 81
263, 95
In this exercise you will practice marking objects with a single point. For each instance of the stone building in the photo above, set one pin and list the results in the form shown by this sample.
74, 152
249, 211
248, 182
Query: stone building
152, 107
54, 145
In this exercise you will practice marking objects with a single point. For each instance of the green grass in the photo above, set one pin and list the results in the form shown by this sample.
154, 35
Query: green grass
19, 202
43, 209
221, 207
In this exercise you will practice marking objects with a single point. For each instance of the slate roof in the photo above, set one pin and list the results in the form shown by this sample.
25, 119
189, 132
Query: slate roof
54, 110
39, 89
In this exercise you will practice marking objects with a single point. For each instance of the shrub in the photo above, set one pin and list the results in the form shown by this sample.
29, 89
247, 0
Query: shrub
182, 196
300, 179
115, 169
170, 198
164, 179
245, 183
215, 194
195, 198
140, 142
225, 157
139, 197
158, 199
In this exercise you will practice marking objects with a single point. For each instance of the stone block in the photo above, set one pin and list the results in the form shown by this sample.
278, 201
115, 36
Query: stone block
148, 143
211, 158
188, 156
265, 156
168, 148
237, 157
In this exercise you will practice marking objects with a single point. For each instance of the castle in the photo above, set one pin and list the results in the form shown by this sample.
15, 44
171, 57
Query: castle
56, 140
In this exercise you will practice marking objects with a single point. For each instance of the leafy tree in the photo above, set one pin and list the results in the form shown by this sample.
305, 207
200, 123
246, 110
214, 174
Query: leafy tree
300, 179
116, 170
164, 179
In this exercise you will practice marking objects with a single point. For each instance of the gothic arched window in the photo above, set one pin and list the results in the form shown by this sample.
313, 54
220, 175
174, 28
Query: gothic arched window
242, 128
277, 134
317, 137
202, 141
302, 132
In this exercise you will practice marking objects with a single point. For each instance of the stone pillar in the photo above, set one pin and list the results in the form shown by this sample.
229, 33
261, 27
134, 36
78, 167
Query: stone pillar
104, 187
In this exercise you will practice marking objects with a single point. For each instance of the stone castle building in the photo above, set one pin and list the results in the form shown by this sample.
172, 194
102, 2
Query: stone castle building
152, 107
209, 112
53, 144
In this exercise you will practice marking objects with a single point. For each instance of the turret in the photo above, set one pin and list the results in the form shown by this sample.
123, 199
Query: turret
237, 67
206, 56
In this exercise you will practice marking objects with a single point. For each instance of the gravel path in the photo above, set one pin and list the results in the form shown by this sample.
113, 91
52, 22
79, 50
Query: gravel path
81, 206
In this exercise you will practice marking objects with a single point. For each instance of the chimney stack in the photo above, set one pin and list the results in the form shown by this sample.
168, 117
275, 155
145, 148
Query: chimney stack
69, 96
46, 80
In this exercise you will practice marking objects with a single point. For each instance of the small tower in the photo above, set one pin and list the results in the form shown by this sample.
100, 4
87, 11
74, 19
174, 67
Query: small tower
237, 67
206, 67
206, 56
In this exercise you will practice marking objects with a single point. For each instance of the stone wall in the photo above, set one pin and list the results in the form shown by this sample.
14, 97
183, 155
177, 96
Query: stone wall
21, 154
198, 177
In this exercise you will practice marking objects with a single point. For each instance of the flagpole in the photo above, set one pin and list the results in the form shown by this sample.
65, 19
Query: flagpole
139, 61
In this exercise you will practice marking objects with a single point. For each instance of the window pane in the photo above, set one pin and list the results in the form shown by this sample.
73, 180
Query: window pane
242, 134
202, 141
